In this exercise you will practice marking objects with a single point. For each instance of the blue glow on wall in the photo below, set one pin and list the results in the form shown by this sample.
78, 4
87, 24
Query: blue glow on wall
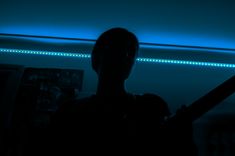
72, 32
147, 60
160, 37
57, 40
185, 39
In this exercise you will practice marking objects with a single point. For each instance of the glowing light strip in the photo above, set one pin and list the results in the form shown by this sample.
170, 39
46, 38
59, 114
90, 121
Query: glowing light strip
50, 53
149, 60
183, 62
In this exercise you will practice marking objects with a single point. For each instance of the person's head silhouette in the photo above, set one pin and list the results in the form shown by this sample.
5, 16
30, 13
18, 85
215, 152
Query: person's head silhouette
113, 56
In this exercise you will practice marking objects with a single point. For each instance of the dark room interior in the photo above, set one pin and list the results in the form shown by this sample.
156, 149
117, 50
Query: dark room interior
186, 49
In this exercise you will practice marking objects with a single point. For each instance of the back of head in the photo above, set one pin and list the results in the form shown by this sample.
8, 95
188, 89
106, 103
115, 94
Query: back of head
117, 49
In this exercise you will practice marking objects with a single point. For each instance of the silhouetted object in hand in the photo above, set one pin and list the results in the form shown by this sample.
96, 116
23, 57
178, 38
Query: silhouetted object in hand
114, 121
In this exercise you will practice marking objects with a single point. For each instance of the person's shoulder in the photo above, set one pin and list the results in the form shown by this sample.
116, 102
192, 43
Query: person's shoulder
69, 111
153, 102
151, 98
76, 104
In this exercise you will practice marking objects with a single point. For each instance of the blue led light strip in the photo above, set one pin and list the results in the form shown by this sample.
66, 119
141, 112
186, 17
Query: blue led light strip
45, 53
149, 60
183, 62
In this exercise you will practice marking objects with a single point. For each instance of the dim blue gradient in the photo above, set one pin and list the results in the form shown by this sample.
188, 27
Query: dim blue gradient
79, 32
181, 39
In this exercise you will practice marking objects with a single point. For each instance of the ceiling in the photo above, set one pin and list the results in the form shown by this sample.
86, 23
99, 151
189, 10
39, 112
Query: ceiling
183, 22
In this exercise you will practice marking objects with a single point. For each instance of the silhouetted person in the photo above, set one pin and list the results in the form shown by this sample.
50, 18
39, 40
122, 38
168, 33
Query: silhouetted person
114, 121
